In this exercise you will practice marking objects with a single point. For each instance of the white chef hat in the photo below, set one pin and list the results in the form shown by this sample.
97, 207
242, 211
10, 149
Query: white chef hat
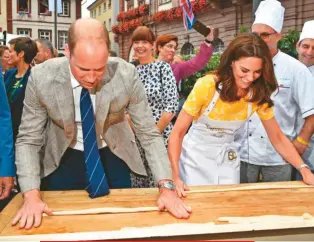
307, 31
271, 13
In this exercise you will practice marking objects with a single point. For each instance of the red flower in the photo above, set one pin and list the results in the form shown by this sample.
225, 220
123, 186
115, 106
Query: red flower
159, 16
115, 29
143, 9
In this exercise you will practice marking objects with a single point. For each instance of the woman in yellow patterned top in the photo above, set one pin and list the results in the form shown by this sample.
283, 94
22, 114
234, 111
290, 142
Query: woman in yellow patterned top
220, 103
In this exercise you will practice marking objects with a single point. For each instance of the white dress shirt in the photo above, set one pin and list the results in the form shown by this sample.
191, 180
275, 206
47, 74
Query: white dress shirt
294, 101
77, 142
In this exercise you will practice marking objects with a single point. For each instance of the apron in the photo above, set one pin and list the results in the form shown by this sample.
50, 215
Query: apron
209, 154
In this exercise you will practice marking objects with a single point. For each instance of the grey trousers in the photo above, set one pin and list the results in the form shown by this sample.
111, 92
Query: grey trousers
250, 173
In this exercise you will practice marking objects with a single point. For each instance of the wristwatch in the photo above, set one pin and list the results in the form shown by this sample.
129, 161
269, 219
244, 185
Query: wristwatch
167, 184
303, 166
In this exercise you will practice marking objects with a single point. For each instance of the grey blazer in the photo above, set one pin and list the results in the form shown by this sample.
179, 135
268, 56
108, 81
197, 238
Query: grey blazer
48, 127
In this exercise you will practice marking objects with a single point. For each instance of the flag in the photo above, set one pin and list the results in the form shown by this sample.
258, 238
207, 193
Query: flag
51, 6
188, 15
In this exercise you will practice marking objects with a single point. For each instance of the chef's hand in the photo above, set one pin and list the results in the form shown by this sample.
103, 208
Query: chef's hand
30, 214
299, 147
6, 185
168, 199
307, 176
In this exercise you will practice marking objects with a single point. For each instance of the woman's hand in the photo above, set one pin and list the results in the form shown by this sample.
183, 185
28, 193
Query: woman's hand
180, 187
307, 175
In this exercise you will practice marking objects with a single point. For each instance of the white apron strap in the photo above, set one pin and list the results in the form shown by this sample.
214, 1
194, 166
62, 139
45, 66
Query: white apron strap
249, 110
211, 104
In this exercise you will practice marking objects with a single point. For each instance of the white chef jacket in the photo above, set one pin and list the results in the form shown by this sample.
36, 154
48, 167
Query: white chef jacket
308, 156
311, 68
294, 98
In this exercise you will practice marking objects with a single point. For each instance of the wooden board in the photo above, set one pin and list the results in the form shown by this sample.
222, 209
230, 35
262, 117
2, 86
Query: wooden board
207, 208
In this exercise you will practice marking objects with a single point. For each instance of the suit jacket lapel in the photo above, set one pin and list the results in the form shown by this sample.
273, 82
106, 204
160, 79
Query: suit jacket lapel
103, 99
64, 94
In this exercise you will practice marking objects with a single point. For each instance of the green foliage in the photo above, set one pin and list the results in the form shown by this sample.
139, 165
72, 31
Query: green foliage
188, 83
288, 42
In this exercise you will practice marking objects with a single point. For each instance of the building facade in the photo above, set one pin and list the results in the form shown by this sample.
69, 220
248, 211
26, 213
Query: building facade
106, 11
3, 15
32, 18
228, 16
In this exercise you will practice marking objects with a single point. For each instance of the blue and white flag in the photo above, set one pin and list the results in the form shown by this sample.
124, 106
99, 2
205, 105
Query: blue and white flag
188, 15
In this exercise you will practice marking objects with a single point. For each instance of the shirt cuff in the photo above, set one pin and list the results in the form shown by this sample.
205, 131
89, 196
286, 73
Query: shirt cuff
29, 183
308, 113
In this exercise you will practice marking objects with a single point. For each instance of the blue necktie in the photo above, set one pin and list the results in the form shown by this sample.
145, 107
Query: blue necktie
97, 182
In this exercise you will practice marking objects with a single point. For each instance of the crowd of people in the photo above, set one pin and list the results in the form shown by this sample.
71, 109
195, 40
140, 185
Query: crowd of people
91, 121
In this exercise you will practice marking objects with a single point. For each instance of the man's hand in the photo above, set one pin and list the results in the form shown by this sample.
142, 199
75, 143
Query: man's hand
30, 214
6, 184
299, 147
169, 200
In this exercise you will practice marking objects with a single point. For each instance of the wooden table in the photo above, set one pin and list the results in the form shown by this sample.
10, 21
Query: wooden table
207, 208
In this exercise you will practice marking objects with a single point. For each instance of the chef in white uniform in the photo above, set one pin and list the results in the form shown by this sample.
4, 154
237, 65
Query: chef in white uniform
294, 97
305, 45
305, 49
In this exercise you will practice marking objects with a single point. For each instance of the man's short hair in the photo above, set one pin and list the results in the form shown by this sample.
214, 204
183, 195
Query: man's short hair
46, 44
2, 49
72, 37
27, 45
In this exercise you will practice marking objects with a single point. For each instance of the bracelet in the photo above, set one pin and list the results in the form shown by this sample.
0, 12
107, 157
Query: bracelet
303, 166
208, 41
301, 141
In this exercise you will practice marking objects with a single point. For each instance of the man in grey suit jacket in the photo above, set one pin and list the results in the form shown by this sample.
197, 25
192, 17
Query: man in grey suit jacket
50, 134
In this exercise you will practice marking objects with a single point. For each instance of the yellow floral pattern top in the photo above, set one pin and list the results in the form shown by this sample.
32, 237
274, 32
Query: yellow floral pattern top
204, 91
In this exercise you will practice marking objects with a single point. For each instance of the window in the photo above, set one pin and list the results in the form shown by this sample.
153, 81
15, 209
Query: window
44, 34
25, 32
109, 4
187, 49
62, 39
141, 2
24, 6
164, 1
43, 7
109, 24
65, 8
105, 6
99, 10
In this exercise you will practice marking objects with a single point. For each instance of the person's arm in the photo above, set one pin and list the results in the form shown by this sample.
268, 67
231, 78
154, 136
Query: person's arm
286, 149
170, 97
153, 145
301, 143
7, 167
178, 132
195, 64
28, 146
302, 92
201, 93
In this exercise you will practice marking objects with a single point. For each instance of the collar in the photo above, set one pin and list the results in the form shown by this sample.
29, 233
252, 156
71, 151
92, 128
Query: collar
276, 57
74, 82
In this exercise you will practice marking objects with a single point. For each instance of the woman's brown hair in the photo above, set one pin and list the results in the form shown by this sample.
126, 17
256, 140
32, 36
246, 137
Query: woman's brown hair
164, 39
143, 33
246, 45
